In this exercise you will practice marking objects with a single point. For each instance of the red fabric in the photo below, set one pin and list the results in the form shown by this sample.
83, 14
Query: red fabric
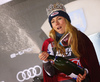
59, 76
88, 58
62, 76
47, 78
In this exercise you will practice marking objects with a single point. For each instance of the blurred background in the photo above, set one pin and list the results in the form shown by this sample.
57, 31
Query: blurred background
24, 27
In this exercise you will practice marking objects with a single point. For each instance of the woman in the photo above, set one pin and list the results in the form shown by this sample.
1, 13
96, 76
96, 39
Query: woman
79, 48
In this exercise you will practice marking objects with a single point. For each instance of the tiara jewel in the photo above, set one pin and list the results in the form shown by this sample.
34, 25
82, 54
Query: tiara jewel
55, 7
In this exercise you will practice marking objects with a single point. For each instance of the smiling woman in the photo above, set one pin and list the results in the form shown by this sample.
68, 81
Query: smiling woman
59, 24
79, 48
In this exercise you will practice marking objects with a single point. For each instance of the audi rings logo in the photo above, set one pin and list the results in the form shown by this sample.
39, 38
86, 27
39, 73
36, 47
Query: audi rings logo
28, 73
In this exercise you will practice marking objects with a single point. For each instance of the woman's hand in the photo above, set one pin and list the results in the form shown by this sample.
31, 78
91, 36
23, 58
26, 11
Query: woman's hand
80, 77
44, 56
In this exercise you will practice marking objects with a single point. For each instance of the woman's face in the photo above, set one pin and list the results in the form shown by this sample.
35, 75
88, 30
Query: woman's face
59, 24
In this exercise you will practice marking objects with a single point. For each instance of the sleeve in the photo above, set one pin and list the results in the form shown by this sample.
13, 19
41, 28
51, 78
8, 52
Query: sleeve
89, 58
49, 69
47, 66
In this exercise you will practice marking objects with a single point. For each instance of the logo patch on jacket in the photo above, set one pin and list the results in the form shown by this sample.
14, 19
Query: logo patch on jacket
54, 13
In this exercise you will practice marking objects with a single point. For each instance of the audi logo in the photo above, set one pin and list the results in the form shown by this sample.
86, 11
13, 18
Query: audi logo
28, 73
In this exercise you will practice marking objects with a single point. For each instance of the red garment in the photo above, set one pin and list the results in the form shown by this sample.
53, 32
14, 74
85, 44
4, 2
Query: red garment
47, 78
88, 58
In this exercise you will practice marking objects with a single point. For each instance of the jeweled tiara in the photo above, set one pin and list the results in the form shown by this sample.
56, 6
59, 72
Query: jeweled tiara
55, 7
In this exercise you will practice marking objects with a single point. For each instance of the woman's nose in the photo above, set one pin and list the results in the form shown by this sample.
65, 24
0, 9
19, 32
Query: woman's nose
57, 23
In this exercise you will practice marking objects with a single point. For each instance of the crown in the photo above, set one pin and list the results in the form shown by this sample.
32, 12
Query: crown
55, 7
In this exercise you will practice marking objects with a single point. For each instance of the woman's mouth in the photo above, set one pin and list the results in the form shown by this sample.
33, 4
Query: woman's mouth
58, 28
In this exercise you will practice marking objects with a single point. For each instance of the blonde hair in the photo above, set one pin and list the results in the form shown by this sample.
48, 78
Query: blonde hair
73, 40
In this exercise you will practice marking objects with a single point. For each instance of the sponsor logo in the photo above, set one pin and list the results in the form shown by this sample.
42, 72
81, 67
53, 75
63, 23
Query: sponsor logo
26, 74
76, 61
55, 13
21, 52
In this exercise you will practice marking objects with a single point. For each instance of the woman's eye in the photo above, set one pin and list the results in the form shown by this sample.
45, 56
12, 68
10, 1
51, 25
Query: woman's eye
59, 18
52, 21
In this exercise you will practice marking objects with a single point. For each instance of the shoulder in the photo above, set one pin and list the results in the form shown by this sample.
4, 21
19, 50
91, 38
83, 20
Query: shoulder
49, 40
81, 34
84, 43
83, 37
85, 46
46, 43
